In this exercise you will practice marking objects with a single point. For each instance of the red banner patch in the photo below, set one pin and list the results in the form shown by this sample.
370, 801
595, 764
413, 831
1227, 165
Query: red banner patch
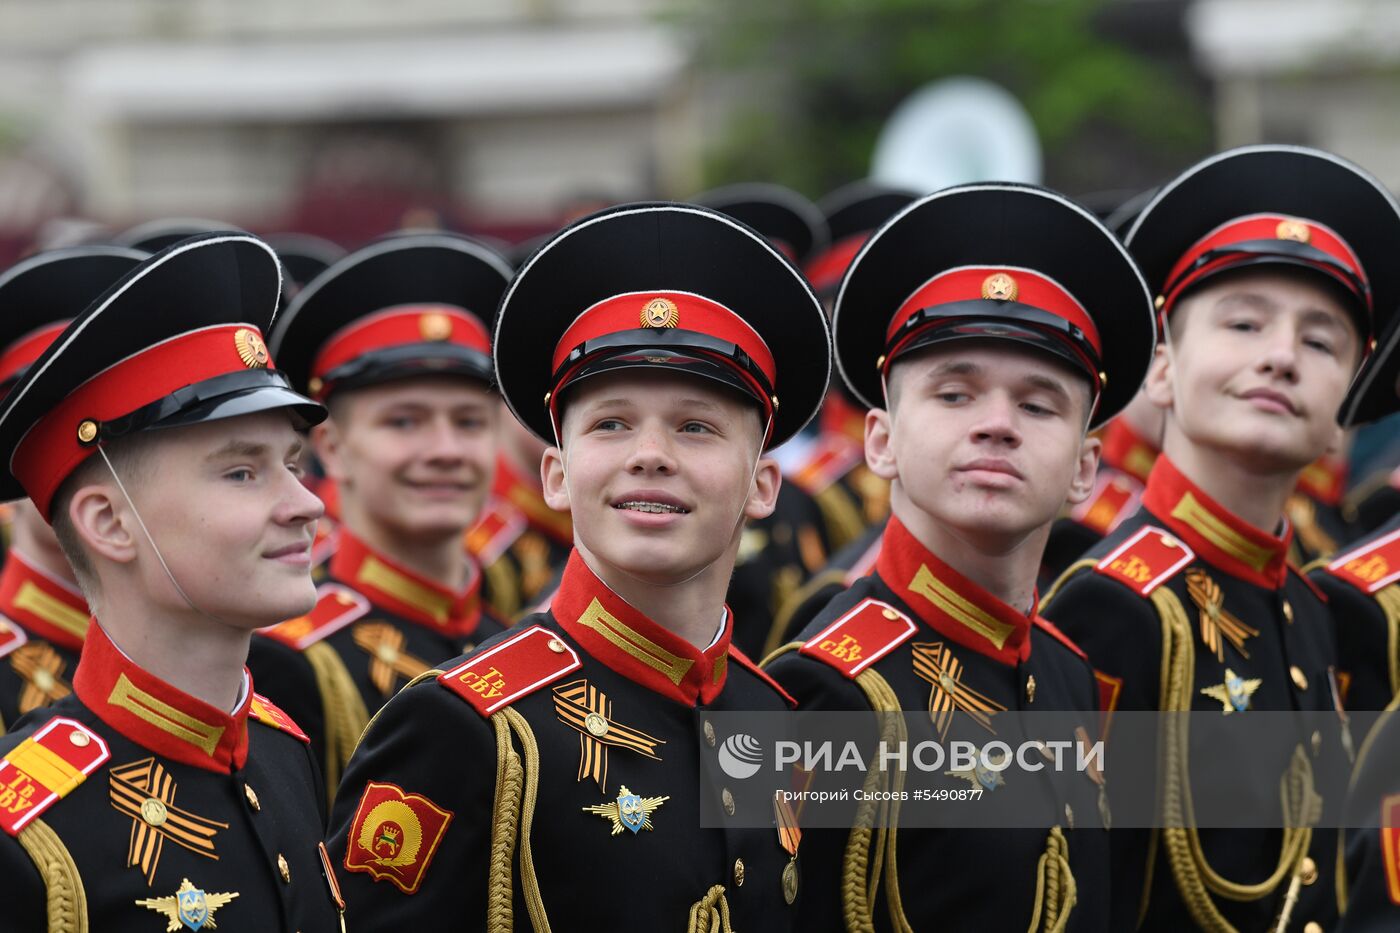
394, 835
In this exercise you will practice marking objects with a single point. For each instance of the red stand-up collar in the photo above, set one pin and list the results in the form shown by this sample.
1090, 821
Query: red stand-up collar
1127, 450
401, 591
155, 715
510, 486
619, 636
951, 604
45, 606
1219, 537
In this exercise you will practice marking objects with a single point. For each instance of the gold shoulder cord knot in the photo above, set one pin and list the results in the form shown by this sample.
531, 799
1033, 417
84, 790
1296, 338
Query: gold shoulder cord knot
1055, 889
67, 901
710, 914
513, 811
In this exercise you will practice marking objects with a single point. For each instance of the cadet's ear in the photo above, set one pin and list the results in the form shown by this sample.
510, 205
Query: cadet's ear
326, 441
1085, 470
879, 454
1160, 374
553, 480
763, 497
98, 517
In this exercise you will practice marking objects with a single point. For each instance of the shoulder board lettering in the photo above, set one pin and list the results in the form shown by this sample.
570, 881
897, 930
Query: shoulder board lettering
11, 636
1145, 561
1115, 496
1371, 567
833, 458
516, 667
336, 607
860, 637
1045, 625
45, 768
270, 714
747, 663
495, 531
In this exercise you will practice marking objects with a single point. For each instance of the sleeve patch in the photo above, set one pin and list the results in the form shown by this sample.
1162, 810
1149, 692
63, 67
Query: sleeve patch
861, 637
1372, 567
394, 835
45, 768
1145, 561
11, 636
336, 607
269, 714
512, 669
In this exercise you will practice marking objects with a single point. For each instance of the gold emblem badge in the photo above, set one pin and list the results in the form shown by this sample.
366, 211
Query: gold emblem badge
660, 312
982, 775
1234, 693
188, 907
435, 326
87, 431
628, 810
1295, 230
251, 349
1000, 287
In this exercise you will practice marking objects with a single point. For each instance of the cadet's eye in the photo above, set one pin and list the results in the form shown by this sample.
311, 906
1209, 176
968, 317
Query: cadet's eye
952, 397
240, 475
609, 424
1319, 345
400, 422
696, 427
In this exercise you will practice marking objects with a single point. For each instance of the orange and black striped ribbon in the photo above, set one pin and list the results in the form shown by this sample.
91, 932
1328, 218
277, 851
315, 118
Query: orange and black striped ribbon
935, 663
134, 784
789, 833
573, 702
42, 669
1217, 625
387, 659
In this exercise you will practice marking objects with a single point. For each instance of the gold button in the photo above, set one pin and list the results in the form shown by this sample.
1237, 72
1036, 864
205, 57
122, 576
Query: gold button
387, 653
1316, 742
80, 739
1313, 927
890, 614
87, 431
1309, 872
252, 796
153, 812
1287, 611
556, 646
595, 724
284, 868
345, 599
738, 873
44, 681
1030, 689
709, 734
1300, 680
728, 799
1069, 816
1168, 541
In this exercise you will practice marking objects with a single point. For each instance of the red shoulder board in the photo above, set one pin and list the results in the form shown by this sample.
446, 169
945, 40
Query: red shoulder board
746, 662
11, 636
516, 667
861, 637
326, 540
493, 533
1371, 567
1146, 560
832, 459
45, 768
1050, 628
270, 714
1115, 496
1390, 845
336, 607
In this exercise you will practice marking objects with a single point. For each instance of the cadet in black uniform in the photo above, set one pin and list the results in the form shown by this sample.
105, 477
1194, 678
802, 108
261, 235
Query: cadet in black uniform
43, 616
393, 338
987, 350
163, 793
556, 771
1271, 264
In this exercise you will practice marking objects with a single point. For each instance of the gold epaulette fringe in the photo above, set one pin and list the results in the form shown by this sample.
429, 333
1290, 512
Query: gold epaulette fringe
710, 914
66, 899
1055, 890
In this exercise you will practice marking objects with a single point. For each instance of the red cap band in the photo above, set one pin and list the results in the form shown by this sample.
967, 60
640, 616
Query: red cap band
401, 326
826, 268
1254, 228
55, 446
23, 352
681, 310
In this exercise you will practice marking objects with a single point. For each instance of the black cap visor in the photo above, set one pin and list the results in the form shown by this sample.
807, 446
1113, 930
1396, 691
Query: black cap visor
408, 361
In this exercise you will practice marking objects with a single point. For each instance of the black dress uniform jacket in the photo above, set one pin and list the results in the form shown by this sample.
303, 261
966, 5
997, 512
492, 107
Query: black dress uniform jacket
957, 879
845, 567
42, 623
1373, 835
501, 772
163, 813
1184, 566
375, 627
1361, 591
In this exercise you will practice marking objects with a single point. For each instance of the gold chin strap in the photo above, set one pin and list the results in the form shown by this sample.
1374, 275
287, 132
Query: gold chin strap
67, 901
1194, 877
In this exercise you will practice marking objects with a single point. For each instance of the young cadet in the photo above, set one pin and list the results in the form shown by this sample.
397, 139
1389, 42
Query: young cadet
393, 339
1270, 264
43, 616
663, 348
163, 792
985, 351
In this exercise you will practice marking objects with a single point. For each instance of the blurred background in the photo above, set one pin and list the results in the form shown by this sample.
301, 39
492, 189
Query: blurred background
349, 118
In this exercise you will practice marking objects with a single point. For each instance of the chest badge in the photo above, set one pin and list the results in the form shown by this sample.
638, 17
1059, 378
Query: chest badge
586, 709
980, 775
1234, 693
1217, 625
628, 810
189, 907
934, 662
